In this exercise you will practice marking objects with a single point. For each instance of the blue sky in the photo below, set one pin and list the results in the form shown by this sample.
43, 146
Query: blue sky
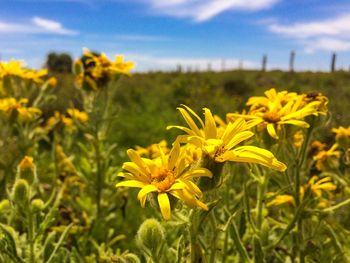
160, 34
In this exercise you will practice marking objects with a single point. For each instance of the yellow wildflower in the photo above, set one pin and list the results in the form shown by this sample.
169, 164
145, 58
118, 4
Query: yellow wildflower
165, 176
277, 109
223, 146
17, 68
281, 199
26, 163
52, 82
12, 107
98, 69
80, 116
153, 150
318, 185
298, 139
323, 156
342, 132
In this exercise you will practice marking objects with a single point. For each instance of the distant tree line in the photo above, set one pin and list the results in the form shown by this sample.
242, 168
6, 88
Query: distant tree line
59, 62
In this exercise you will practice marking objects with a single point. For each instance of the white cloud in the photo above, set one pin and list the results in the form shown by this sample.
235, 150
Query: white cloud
329, 34
203, 10
37, 25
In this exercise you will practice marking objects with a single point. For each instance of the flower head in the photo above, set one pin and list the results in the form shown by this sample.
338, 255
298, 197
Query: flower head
323, 157
223, 144
17, 108
166, 175
280, 108
96, 69
17, 68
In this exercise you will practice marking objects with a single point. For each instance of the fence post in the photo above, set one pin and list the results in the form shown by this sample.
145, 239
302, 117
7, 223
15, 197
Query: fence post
264, 63
334, 59
291, 61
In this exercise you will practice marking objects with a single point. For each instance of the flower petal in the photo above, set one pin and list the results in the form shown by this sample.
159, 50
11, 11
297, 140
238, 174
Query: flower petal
164, 205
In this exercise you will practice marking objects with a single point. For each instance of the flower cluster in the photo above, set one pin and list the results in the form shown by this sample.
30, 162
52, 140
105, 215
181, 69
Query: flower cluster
175, 173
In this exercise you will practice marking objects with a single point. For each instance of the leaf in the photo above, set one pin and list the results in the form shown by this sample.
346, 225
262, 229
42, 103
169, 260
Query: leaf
8, 244
59, 243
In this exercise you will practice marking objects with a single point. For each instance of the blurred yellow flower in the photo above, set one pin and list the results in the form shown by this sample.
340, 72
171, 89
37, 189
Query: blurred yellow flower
97, 69
26, 163
152, 151
281, 199
298, 139
17, 68
166, 175
318, 185
80, 116
16, 108
222, 145
280, 108
342, 132
323, 156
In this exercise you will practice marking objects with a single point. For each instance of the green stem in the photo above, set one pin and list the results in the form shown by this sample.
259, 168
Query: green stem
215, 233
31, 236
297, 174
99, 177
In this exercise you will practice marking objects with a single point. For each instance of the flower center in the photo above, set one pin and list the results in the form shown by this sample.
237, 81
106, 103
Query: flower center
163, 180
219, 151
271, 117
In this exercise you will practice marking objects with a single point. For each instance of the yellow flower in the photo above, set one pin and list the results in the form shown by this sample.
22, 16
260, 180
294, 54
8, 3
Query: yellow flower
52, 82
80, 116
277, 109
12, 107
98, 69
121, 67
223, 146
281, 199
318, 185
153, 150
342, 132
323, 156
165, 176
26, 163
17, 68
298, 139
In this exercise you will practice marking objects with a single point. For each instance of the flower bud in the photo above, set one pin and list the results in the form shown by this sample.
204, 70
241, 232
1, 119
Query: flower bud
37, 205
27, 169
20, 192
4, 205
52, 81
151, 235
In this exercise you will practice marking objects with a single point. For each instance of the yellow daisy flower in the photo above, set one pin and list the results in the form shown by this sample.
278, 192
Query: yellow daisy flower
223, 146
342, 132
323, 156
78, 115
12, 107
165, 176
318, 185
277, 109
152, 151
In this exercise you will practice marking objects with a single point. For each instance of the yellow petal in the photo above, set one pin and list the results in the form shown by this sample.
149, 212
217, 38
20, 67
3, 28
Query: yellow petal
173, 155
271, 130
164, 205
130, 183
210, 126
190, 122
142, 195
135, 157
